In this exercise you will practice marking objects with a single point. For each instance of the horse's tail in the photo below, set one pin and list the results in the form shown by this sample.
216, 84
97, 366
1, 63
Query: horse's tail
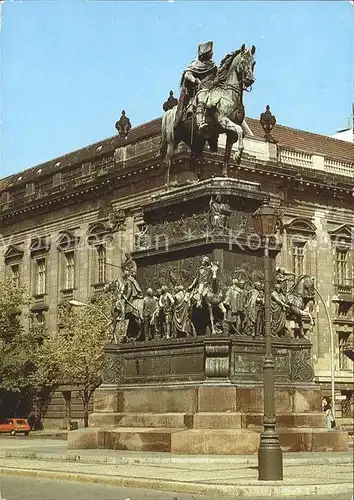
167, 131
163, 140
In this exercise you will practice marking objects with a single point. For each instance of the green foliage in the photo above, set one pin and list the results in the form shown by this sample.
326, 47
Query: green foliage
12, 302
46, 360
15, 362
33, 363
85, 333
28, 365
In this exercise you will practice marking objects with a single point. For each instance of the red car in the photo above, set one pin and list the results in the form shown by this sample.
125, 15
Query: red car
15, 426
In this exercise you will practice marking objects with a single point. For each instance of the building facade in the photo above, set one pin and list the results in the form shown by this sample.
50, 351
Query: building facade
66, 225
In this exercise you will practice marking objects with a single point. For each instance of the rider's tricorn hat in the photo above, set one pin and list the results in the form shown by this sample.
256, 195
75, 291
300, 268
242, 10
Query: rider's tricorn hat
204, 48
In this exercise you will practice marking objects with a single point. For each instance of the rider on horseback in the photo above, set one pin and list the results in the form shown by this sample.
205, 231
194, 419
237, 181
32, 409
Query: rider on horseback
203, 281
197, 78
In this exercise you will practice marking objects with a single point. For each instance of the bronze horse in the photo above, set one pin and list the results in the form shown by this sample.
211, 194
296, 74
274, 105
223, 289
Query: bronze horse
127, 315
225, 113
298, 297
212, 300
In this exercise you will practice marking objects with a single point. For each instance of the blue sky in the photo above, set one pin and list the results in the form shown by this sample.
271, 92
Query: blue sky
68, 68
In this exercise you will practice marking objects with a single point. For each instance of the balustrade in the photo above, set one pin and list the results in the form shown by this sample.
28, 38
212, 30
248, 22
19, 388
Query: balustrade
295, 157
339, 167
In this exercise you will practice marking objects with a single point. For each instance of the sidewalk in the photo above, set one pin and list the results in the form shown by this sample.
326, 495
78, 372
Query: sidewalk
49, 434
230, 476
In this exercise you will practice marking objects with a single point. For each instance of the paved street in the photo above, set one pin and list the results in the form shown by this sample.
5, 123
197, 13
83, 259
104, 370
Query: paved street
17, 488
117, 474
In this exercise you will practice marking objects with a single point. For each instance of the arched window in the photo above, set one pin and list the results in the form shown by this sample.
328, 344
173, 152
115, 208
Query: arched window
300, 231
98, 237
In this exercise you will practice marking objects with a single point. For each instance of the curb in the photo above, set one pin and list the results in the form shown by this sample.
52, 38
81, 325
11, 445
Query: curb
54, 435
261, 489
133, 460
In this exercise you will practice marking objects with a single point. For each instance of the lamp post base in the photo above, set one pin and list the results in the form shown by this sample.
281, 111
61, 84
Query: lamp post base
270, 460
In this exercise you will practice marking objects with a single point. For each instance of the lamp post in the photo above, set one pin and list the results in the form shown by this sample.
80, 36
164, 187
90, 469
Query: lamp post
78, 303
270, 458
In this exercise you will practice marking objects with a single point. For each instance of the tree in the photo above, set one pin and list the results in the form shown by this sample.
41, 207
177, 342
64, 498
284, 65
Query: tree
28, 367
86, 332
15, 362
12, 302
47, 371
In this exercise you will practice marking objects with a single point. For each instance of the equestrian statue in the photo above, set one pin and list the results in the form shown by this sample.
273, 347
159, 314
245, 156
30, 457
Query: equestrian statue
210, 104
206, 293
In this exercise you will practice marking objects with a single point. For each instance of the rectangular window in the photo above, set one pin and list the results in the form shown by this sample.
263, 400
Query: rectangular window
69, 270
298, 257
15, 269
341, 266
343, 346
40, 276
101, 264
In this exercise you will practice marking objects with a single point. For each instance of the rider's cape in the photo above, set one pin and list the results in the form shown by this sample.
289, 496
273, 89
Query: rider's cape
204, 70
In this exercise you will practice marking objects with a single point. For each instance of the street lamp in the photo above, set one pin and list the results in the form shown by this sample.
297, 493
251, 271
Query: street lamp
78, 303
270, 458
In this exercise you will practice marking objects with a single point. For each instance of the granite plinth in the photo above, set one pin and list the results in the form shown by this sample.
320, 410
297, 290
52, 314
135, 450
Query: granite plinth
202, 441
166, 396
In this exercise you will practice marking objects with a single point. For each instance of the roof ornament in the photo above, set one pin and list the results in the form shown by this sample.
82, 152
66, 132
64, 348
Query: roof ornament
268, 121
170, 103
123, 125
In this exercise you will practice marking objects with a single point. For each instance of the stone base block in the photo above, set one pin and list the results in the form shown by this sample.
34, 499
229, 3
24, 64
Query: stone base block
137, 439
215, 420
215, 442
203, 441
313, 440
193, 441
84, 439
288, 420
145, 420
204, 419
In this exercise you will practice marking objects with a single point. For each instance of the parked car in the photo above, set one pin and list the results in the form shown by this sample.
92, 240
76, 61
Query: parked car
15, 426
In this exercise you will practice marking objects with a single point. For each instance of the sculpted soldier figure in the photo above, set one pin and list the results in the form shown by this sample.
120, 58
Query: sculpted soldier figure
219, 213
180, 319
197, 77
131, 288
166, 303
142, 239
235, 304
202, 282
118, 322
278, 311
255, 310
132, 296
150, 307
129, 265
126, 306
282, 277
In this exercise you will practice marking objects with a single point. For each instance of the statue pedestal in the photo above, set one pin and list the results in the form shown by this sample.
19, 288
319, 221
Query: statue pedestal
205, 396
204, 393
